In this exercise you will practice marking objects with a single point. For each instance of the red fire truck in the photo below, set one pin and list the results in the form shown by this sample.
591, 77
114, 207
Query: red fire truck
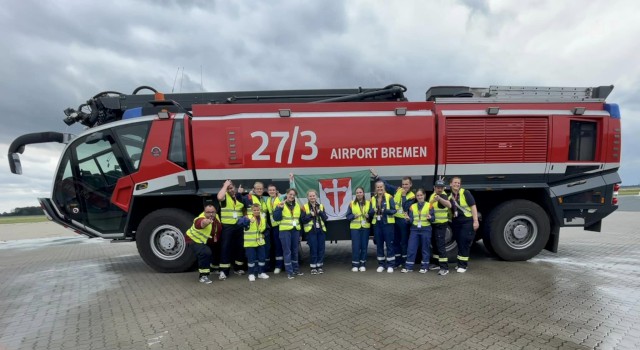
535, 158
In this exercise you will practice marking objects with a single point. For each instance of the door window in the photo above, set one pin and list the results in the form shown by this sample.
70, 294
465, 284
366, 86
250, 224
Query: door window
582, 143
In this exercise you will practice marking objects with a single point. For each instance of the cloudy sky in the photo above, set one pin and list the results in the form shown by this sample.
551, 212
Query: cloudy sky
57, 54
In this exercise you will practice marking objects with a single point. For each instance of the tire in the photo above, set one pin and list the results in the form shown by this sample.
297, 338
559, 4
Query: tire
161, 243
486, 242
517, 230
485, 234
451, 245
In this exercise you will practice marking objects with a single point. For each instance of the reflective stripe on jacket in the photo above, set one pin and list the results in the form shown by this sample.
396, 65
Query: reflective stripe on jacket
288, 218
200, 235
420, 216
271, 204
255, 199
441, 214
466, 209
231, 206
309, 225
253, 236
356, 210
398, 198
374, 202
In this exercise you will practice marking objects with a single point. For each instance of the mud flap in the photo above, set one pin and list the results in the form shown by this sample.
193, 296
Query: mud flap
595, 227
554, 238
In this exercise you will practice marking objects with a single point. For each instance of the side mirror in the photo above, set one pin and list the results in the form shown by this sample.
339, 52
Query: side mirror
14, 163
18, 145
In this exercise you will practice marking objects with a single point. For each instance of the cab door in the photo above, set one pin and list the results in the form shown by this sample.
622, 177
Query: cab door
88, 174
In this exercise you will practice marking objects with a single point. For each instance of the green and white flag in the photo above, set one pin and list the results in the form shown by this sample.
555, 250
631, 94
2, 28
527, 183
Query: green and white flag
335, 191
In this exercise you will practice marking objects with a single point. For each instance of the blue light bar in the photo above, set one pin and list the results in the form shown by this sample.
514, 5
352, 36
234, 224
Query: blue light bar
132, 113
613, 109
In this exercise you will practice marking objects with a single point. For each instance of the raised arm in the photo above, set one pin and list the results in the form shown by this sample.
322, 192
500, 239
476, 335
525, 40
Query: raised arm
277, 212
387, 186
223, 191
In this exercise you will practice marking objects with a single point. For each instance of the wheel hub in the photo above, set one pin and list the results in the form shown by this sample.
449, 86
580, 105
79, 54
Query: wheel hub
520, 231
167, 242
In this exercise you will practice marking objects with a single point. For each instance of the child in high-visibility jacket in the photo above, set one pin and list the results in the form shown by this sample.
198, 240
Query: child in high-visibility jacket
254, 243
314, 223
419, 216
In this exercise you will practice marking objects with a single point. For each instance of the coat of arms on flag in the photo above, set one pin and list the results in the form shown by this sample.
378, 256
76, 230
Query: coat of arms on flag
335, 194
335, 191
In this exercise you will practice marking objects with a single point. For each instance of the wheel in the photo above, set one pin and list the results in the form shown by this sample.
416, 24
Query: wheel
485, 234
451, 245
161, 243
517, 230
487, 245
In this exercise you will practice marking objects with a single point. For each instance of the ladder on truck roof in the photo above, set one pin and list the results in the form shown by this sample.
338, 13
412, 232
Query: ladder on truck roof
498, 93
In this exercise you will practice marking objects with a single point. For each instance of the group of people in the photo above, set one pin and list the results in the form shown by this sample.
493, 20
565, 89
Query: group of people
406, 222
252, 227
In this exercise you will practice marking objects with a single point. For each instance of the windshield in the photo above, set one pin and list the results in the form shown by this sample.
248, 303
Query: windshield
89, 172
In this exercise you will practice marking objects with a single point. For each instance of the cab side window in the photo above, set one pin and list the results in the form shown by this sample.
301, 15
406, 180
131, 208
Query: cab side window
582, 143
132, 138
177, 153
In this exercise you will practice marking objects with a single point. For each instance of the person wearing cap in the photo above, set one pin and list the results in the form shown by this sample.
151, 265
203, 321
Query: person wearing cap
441, 212
404, 198
464, 221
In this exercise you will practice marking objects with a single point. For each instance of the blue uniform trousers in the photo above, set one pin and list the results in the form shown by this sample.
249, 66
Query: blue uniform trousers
255, 259
419, 238
400, 240
316, 240
290, 240
383, 234
275, 237
267, 250
359, 243
203, 253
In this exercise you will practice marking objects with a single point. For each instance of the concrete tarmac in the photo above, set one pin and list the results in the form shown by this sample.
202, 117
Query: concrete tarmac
74, 293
